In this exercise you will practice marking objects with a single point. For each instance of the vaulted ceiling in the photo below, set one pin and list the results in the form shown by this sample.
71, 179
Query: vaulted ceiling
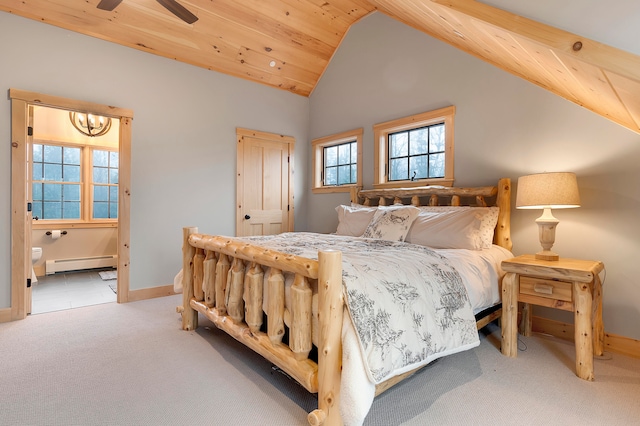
289, 43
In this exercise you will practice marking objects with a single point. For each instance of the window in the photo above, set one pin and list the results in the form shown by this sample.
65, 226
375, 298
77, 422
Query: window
417, 154
415, 150
105, 184
337, 162
74, 183
340, 164
56, 182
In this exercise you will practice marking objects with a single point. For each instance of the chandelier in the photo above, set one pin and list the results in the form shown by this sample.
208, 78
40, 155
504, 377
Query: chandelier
89, 124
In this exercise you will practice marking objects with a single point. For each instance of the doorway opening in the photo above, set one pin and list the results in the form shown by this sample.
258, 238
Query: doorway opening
73, 175
87, 203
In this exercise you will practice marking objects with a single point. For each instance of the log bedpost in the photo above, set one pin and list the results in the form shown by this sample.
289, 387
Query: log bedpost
300, 339
502, 235
235, 290
354, 194
198, 274
275, 307
253, 297
222, 269
209, 288
330, 312
189, 315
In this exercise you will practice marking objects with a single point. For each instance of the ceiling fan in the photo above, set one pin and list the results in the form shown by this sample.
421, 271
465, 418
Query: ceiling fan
171, 5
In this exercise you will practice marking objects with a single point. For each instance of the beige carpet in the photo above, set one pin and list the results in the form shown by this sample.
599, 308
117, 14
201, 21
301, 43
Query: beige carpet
131, 364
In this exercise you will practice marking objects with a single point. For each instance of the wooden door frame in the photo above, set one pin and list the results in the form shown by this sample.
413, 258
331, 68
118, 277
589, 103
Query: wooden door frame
20, 102
290, 141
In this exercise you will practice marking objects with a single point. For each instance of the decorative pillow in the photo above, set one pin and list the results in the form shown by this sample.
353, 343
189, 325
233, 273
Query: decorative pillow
454, 227
488, 226
353, 220
391, 223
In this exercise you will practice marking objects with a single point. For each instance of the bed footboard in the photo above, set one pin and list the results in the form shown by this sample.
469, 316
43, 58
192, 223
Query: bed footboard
223, 280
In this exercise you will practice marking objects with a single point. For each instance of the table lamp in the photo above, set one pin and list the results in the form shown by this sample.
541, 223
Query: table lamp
547, 191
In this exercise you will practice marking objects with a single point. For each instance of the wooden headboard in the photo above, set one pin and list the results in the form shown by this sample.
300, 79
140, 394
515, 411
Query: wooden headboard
485, 196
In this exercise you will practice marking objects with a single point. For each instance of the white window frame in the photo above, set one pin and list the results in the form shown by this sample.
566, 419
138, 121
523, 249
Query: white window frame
318, 146
381, 133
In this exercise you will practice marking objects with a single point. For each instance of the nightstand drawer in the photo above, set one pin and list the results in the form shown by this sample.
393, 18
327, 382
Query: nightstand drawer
551, 289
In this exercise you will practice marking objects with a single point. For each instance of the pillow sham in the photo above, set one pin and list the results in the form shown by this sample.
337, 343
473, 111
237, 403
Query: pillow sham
354, 219
469, 228
391, 223
488, 226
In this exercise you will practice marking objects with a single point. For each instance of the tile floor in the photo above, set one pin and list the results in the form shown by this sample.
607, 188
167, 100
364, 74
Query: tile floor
68, 290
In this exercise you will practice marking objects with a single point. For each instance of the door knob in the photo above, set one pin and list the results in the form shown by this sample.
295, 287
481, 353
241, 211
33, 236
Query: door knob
246, 216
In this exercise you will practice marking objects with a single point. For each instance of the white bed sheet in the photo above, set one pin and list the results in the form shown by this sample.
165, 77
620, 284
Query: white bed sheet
481, 272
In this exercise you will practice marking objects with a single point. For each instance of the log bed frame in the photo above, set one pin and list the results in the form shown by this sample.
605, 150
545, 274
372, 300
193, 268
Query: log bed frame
223, 280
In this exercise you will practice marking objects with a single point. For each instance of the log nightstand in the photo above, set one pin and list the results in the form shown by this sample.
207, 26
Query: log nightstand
568, 284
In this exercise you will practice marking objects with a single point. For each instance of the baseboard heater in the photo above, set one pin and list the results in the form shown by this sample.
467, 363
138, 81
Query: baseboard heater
64, 265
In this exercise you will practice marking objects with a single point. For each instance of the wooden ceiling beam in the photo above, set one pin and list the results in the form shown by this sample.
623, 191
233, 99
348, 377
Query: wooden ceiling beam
582, 48
598, 77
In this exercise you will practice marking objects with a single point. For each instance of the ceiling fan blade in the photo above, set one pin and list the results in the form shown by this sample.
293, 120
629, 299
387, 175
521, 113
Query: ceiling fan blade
108, 4
180, 11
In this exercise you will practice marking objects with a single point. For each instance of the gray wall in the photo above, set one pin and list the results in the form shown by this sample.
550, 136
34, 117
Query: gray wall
183, 141
504, 127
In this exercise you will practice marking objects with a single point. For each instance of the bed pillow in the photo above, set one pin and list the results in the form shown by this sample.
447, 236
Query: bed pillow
391, 223
354, 219
488, 220
454, 227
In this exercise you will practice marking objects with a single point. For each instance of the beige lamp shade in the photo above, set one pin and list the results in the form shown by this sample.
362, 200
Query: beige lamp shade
548, 190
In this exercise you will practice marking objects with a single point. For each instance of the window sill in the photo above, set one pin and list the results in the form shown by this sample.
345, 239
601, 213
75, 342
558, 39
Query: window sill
333, 189
415, 183
43, 224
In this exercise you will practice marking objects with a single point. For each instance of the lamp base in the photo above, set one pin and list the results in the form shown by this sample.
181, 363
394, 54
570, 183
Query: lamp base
547, 255
547, 234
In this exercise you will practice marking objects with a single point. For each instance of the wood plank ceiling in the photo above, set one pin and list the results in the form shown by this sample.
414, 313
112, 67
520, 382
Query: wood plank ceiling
288, 43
